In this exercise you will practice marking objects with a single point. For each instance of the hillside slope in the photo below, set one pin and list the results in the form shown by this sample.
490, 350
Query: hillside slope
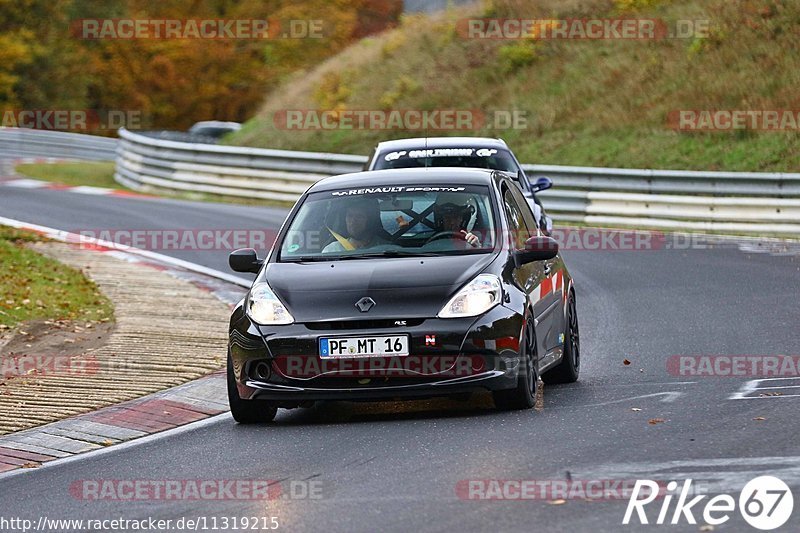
587, 102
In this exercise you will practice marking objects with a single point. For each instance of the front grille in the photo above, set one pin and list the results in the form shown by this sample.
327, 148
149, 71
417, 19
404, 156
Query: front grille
363, 324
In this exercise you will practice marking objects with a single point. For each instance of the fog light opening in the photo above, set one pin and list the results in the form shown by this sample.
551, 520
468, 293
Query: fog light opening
262, 371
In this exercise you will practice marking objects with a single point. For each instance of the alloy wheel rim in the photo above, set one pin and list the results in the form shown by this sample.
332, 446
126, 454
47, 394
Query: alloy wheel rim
575, 346
530, 348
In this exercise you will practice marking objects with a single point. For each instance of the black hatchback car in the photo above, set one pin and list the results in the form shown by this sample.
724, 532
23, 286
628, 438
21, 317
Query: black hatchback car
403, 284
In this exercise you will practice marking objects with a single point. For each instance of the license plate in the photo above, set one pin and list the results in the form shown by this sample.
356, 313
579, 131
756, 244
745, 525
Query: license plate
385, 345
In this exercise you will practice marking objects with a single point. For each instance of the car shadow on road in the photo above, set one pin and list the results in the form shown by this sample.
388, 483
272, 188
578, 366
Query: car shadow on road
331, 412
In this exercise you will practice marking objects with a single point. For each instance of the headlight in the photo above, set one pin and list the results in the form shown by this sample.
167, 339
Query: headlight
477, 297
265, 308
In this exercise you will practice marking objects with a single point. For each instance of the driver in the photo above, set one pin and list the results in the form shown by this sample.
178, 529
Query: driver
451, 213
362, 224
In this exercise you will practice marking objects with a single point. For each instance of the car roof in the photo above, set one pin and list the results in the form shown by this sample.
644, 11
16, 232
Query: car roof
217, 124
441, 142
409, 176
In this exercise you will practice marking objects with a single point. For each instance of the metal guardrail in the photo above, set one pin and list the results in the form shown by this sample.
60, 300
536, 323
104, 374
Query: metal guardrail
143, 162
764, 184
23, 142
728, 202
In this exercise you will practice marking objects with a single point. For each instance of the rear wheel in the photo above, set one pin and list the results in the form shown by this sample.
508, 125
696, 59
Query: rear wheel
569, 368
523, 396
247, 411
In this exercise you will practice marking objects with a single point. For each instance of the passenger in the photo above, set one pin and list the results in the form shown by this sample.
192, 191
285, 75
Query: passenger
362, 227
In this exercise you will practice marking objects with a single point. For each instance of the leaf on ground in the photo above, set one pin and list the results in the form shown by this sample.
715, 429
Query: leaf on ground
654, 421
626, 362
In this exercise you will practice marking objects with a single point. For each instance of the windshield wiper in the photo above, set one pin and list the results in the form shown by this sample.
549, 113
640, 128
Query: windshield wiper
389, 253
365, 255
308, 258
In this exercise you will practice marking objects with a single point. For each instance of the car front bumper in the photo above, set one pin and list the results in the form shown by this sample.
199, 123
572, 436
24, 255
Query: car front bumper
447, 357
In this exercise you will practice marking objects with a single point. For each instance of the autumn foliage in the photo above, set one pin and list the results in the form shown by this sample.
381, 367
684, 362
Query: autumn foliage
45, 64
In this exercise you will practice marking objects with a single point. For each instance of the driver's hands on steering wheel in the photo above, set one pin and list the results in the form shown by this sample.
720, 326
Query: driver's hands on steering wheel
471, 239
462, 235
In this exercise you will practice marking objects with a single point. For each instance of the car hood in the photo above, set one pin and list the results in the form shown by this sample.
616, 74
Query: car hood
412, 287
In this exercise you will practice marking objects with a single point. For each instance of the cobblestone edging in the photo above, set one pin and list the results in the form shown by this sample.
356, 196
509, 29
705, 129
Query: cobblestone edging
171, 329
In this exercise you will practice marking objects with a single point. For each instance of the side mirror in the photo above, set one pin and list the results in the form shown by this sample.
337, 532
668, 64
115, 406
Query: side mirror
538, 248
542, 183
245, 260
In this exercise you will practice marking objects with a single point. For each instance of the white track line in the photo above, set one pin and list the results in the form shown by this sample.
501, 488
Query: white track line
121, 446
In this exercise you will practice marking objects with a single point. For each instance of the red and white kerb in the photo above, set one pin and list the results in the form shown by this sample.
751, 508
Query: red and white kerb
554, 282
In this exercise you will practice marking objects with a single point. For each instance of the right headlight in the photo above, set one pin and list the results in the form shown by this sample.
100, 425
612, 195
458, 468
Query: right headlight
264, 307
475, 298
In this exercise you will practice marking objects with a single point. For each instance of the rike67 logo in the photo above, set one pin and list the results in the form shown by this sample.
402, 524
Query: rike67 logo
766, 503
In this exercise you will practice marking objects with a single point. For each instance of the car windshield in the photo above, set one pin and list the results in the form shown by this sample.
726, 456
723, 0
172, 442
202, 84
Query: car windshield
391, 221
490, 158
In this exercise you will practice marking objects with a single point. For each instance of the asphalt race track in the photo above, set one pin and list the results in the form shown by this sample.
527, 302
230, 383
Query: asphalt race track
397, 466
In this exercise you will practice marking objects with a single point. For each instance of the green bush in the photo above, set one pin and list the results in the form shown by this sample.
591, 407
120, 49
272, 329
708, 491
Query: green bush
513, 57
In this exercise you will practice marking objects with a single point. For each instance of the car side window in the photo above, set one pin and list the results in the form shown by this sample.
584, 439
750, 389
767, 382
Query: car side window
527, 214
519, 229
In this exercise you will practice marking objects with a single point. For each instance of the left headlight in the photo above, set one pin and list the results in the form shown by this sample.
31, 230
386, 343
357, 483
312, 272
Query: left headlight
264, 307
475, 298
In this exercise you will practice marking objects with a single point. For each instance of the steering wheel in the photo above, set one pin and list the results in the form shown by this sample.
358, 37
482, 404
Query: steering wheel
447, 235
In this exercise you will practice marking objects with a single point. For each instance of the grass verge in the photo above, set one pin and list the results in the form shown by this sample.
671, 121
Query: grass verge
94, 174
588, 102
33, 286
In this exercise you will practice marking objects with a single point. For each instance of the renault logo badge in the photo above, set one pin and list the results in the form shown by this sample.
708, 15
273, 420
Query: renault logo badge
365, 304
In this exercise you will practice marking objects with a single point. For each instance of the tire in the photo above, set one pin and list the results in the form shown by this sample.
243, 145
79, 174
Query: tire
523, 396
247, 411
569, 368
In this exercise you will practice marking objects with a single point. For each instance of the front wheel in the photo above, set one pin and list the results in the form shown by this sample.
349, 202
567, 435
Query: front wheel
523, 396
247, 411
569, 368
